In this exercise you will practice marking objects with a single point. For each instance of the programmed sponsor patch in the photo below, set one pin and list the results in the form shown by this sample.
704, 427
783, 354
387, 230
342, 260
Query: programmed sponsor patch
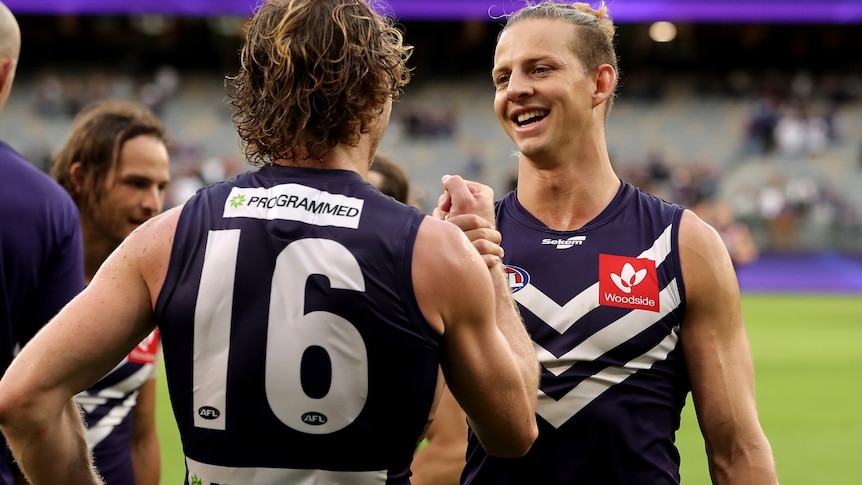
294, 202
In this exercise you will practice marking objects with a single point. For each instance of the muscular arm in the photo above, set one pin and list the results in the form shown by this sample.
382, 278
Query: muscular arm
719, 360
487, 357
79, 346
145, 442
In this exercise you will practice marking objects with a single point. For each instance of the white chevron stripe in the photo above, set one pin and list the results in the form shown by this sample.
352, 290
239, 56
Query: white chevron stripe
660, 248
613, 335
102, 429
557, 412
89, 400
560, 318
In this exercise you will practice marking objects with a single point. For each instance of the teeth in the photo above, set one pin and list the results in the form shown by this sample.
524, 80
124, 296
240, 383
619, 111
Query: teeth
530, 115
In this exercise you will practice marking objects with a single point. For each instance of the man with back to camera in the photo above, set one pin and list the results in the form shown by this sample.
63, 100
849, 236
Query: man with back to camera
41, 254
632, 302
304, 315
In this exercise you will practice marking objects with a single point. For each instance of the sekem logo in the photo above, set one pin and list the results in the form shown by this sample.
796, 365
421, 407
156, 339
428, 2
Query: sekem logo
564, 243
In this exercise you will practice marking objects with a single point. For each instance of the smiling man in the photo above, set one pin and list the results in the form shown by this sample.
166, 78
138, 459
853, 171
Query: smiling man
115, 166
632, 302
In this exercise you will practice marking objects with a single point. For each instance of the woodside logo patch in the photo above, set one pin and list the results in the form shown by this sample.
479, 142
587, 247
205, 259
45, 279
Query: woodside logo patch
627, 282
145, 352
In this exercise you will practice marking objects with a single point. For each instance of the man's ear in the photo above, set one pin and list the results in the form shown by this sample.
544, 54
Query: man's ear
76, 175
606, 83
6, 67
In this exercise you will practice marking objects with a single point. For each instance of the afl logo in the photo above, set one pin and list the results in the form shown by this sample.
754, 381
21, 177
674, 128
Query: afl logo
208, 412
314, 418
518, 278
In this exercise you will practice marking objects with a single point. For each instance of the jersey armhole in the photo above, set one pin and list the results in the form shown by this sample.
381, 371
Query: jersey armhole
407, 290
674, 254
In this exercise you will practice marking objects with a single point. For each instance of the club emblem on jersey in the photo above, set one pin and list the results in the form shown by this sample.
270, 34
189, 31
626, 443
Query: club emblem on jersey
627, 282
518, 278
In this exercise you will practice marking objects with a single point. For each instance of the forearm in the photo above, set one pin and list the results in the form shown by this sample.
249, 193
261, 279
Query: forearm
146, 457
512, 326
442, 459
752, 464
438, 464
147, 461
45, 452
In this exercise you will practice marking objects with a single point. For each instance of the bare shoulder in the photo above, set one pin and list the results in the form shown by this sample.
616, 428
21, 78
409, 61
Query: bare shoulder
444, 246
447, 269
707, 269
157, 234
148, 248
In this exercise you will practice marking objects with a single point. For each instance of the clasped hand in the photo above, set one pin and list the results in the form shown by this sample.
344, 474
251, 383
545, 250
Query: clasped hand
470, 206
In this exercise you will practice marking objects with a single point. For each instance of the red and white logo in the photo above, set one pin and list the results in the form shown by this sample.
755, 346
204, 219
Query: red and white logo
628, 282
145, 352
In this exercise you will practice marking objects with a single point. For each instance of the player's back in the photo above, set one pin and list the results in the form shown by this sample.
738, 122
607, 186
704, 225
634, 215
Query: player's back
41, 252
294, 346
41, 257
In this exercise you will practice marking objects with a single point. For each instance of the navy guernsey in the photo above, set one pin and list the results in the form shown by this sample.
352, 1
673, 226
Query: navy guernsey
41, 258
603, 305
295, 350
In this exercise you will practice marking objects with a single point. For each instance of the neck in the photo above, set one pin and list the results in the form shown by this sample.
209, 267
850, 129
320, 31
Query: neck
356, 159
566, 196
97, 248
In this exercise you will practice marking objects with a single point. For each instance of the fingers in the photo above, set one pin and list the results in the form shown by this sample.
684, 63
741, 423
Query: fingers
458, 190
491, 253
476, 227
484, 234
444, 205
466, 197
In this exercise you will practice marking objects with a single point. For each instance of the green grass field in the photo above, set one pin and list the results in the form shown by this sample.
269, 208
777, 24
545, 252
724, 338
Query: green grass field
808, 366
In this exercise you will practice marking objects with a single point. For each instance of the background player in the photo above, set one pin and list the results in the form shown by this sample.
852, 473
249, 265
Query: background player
115, 166
40, 239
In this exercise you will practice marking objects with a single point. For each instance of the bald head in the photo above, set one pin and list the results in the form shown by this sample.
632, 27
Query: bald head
10, 34
10, 47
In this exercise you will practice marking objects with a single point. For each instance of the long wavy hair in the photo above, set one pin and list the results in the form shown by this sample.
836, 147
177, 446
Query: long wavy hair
96, 140
313, 74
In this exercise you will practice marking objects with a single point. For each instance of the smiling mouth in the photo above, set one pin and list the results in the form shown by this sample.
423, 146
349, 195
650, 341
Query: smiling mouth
530, 117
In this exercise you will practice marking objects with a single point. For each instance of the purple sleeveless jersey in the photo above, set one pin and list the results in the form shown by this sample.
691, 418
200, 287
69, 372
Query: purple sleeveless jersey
108, 409
295, 350
603, 305
41, 259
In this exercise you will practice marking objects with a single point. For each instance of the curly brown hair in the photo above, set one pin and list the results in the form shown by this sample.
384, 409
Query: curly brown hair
96, 140
313, 74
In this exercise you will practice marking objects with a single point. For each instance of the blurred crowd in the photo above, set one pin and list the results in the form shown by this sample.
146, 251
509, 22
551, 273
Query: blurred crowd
794, 117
